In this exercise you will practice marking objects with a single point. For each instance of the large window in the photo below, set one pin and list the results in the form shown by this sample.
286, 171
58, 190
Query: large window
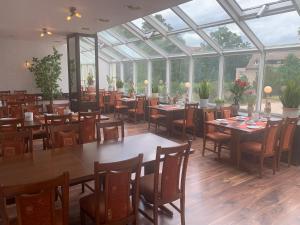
179, 75
141, 76
244, 67
128, 75
280, 67
158, 72
206, 68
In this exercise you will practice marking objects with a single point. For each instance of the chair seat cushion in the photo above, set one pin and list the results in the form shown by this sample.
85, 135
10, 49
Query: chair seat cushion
180, 123
157, 116
121, 107
147, 187
218, 136
88, 205
251, 146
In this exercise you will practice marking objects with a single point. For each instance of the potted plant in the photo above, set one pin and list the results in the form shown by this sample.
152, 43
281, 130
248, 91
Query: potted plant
219, 103
47, 72
204, 89
155, 91
90, 79
290, 98
119, 85
110, 82
237, 89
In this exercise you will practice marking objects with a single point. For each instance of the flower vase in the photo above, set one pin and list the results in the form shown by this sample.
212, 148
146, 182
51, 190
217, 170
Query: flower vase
250, 110
235, 109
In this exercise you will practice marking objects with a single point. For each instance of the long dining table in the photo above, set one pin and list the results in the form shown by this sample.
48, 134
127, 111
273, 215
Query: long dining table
78, 160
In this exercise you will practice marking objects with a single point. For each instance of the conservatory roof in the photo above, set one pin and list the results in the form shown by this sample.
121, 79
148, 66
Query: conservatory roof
211, 27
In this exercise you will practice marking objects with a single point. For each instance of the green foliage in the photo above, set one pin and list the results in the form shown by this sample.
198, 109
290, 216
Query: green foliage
219, 101
47, 72
110, 80
119, 83
90, 79
204, 89
155, 89
290, 96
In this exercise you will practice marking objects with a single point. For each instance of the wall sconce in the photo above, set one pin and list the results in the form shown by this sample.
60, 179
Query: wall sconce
268, 108
27, 64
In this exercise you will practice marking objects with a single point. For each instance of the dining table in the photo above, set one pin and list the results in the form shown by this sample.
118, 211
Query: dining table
238, 127
170, 111
79, 160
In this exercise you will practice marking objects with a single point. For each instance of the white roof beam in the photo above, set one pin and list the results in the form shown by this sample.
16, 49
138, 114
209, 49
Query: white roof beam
152, 21
130, 27
230, 7
200, 32
297, 5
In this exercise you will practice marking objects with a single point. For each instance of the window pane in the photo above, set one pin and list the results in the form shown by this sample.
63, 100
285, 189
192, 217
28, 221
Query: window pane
206, 69
141, 76
106, 36
158, 71
244, 67
124, 33
128, 75
128, 51
279, 29
246, 4
169, 20
279, 68
229, 37
166, 45
145, 48
113, 52
143, 25
179, 75
193, 42
203, 12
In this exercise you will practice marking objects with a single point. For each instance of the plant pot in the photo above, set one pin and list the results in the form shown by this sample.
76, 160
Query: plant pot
120, 90
250, 110
203, 103
155, 95
219, 106
290, 112
235, 109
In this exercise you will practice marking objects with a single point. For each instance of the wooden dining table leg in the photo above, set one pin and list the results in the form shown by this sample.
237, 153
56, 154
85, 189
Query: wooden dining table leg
234, 147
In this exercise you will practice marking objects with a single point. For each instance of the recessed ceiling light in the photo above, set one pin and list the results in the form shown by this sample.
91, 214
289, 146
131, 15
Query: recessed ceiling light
103, 20
133, 7
85, 28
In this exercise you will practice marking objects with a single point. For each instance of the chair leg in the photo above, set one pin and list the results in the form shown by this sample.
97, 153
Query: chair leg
82, 217
261, 166
194, 133
238, 159
219, 151
278, 160
82, 188
155, 214
156, 126
274, 162
290, 157
183, 133
149, 124
203, 147
182, 210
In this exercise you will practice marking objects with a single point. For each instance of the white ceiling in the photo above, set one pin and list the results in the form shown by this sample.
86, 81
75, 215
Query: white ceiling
24, 19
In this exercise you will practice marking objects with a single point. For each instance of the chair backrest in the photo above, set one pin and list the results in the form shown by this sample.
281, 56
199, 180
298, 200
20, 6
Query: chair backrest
287, 133
110, 130
190, 114
153, 102
173, 161
60, 108
35, 109
112, 97
4, 92
14, 143
208, 115
51, 119
65, 135
15, 109
140, 104
118, 99
11, 124
226, 112
88, 125
101, 99
20, 92
271, 136
3, 111
35, 202
31, 99
120, 189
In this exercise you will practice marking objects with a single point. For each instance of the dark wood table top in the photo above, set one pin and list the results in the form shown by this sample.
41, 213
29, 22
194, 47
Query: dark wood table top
78, 160
167, 108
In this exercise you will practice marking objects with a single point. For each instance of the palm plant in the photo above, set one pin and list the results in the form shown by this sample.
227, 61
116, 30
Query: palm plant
290, 96
204, 89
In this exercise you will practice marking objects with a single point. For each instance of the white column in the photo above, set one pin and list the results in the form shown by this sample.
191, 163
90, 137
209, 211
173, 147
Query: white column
168, 75
149, 77
191, 76
134, 75
221, 77
122, 71
260, 82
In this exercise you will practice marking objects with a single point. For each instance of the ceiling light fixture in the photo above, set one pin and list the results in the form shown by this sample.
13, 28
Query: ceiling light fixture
103, 20
133, 7
73, 12
45, 32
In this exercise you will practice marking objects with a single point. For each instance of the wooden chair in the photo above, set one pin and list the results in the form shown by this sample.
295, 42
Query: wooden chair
166, 186
154, 115
138, 109
119, 106
15, 109
111, 103
116, 197
65, 135
3, 111
35, 202
226, 112
286, 139
58, 108
101, 102
4, 92
20, 92
188, 121
220, 139
11, 124
88, 125
15, 143
35, 109
266, 148
110, 130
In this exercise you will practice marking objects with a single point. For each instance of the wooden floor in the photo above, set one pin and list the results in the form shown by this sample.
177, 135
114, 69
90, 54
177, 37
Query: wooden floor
218, 193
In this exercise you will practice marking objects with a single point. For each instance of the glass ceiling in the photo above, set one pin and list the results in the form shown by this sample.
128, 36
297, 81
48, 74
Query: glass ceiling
190, 29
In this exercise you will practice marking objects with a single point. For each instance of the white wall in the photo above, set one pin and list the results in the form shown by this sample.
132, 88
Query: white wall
13, 55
